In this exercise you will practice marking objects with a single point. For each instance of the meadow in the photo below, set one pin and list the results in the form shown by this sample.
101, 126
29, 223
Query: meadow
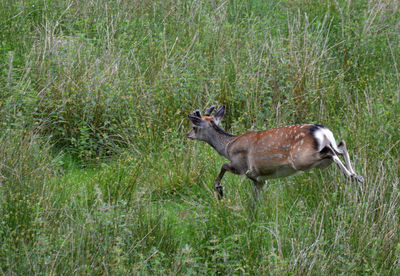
97, 176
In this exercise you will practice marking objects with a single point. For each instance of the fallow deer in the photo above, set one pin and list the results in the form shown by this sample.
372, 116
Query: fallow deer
272, 153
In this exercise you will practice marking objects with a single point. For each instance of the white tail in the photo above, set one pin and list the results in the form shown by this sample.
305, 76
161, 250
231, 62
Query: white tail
272, 153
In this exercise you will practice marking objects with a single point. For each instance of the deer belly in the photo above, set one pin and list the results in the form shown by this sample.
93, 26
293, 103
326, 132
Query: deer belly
283, 171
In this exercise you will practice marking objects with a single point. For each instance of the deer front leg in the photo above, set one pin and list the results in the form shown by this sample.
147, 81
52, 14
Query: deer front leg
257, 189
217, 185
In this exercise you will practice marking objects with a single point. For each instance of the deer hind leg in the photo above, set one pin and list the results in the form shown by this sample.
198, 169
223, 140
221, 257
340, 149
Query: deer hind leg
342, 167
345, 154
346, 170
342, 147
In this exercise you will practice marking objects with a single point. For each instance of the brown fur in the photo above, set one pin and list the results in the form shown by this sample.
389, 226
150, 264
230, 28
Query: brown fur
263, 152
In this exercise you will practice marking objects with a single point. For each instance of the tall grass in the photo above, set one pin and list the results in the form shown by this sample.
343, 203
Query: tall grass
97, 177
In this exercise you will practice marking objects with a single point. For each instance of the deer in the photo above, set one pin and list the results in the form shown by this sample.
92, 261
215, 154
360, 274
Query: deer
273, 153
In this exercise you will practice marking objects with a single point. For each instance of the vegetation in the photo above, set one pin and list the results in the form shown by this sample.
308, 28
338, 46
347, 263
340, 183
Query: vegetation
96, 173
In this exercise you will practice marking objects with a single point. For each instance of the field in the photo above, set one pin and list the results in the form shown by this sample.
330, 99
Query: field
96, 173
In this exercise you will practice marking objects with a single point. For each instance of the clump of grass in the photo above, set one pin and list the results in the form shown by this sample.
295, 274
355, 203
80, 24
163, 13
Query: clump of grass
25, 168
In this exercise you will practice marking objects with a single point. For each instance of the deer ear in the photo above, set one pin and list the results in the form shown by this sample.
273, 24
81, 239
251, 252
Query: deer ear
219, 114
197, 113
197, 121
209, 110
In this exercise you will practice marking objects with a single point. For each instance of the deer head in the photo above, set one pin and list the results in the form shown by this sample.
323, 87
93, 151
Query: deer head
205, 127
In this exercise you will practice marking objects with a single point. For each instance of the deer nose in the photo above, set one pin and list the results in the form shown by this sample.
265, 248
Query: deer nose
189, 136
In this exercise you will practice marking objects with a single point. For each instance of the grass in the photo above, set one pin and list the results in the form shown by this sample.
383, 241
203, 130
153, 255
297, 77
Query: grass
96, 173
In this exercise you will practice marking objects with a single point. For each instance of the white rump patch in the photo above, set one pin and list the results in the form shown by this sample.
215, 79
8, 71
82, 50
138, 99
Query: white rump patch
323, 133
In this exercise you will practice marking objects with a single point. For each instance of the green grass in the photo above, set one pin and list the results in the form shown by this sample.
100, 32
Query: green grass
96, 173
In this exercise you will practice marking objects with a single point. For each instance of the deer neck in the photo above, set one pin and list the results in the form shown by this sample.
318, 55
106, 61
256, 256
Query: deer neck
219, 139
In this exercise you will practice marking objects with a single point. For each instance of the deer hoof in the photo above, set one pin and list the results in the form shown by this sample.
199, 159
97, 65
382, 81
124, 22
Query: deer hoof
220, 193
359, 178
